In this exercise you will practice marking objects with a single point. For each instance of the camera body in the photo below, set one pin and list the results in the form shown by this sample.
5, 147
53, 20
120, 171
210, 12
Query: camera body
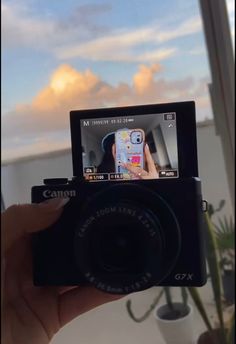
62, 255
125, 236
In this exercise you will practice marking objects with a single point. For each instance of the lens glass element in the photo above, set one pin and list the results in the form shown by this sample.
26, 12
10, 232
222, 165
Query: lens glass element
119, 247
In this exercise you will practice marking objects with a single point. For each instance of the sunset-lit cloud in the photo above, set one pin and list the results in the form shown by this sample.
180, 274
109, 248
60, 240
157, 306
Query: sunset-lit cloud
65, 85
144, 78
68, 89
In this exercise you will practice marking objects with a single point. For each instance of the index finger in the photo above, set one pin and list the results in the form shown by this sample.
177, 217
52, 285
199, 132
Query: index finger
131, 168
22, 219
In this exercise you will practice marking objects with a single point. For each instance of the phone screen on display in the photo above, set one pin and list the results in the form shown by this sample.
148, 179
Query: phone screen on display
129, 147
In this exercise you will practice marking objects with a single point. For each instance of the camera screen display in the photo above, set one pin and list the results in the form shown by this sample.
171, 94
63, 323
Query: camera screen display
129, 147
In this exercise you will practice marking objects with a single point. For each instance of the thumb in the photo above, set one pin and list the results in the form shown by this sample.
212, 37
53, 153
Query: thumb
20, 220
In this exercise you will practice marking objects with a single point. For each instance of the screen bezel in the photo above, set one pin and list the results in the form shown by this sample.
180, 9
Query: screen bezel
185, 124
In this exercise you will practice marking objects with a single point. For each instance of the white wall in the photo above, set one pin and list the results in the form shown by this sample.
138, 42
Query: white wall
212, 169
18, 177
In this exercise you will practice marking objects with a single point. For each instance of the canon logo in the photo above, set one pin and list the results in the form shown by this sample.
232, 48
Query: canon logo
59, 193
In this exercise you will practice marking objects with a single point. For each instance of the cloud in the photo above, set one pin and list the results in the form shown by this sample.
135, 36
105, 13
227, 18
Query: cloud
81, 35
144, 79
48, 111
65, 85
21, 26
113, 52
186, 28
120, 46
44, 123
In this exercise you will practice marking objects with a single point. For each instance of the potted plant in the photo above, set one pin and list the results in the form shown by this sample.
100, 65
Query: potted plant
225, 236
224, 332
172, 317
175, 317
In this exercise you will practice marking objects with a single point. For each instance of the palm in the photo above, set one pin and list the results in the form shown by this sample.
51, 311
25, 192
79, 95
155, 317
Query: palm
34, 314
30, 311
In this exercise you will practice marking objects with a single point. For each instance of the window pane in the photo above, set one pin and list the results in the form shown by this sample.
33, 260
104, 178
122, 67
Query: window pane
60, 56
64, 55
231, 12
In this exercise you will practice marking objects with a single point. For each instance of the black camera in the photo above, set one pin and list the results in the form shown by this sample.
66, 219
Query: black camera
135, 213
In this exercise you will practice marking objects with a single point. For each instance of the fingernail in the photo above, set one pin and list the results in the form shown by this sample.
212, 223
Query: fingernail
55, 203
147, 146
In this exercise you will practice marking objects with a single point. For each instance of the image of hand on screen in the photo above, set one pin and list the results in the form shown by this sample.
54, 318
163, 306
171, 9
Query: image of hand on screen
151, 171
130, 167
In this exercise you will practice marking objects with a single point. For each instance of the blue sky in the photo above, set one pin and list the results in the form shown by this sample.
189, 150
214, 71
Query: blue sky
98, 53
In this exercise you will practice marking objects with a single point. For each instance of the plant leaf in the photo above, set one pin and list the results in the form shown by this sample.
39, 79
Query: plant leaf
184, 294
214, 270
221, 205
147, 313
168, 298
231, 332
225, 233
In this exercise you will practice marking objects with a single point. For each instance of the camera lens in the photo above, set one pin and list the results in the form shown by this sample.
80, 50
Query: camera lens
119, 247
121, 239
138, 139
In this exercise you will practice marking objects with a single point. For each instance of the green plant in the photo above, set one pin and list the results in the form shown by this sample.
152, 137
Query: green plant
212, 210
225, 240
212, 247
216, 282
173, 311
199, 304
171, 305
225, 237
231, 331
148, 312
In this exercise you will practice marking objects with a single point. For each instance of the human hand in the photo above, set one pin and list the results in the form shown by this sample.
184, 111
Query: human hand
32, 315
140, 173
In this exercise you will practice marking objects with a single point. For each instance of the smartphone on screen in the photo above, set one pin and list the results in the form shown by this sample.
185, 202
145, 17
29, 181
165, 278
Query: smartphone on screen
129, 148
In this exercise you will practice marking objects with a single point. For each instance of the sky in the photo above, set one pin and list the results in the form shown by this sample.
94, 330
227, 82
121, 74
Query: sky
64, 55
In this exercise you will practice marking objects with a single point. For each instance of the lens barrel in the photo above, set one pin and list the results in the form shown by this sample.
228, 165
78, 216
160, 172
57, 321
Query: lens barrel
121, 246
